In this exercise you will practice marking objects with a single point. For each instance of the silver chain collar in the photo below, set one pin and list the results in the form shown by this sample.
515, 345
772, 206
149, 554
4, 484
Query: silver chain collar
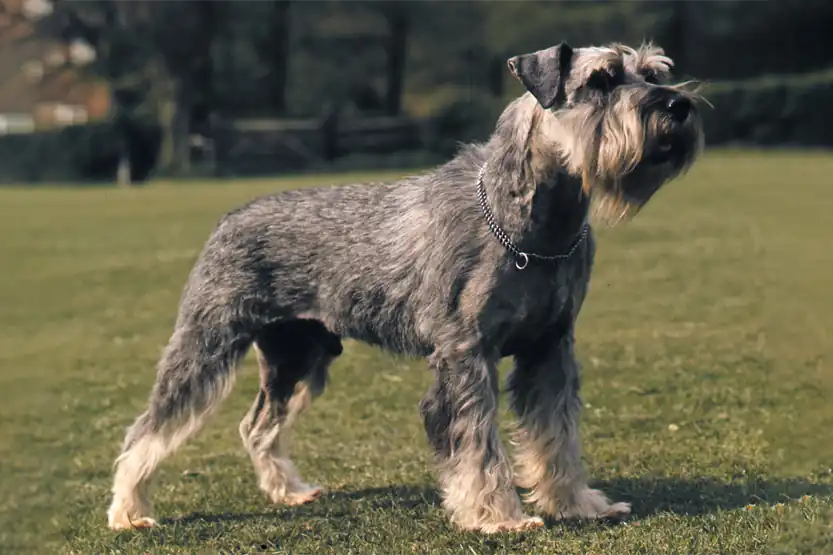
523, 258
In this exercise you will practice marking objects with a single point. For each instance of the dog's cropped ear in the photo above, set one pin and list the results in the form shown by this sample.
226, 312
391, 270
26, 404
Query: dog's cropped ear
543, 73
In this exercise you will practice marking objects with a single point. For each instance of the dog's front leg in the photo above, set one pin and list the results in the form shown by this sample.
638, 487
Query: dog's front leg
475, 474
544, 390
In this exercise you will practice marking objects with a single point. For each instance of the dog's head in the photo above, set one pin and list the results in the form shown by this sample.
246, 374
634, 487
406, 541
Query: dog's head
612, 116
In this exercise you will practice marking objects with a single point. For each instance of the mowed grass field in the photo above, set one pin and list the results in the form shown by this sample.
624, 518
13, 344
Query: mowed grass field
706, 351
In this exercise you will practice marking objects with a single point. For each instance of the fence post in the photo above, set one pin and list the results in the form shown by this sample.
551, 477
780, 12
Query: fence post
329, 131
124, 140
218, 131
497, 68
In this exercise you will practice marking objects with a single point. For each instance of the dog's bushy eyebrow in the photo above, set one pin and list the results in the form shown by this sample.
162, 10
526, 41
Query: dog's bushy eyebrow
650, 61
588, 60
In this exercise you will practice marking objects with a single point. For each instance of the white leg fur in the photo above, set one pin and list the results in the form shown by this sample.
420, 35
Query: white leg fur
548, 455
267, 439
475, 500
131, 507
552, 471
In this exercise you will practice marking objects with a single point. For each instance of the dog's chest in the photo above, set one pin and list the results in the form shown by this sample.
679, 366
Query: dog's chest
538, 301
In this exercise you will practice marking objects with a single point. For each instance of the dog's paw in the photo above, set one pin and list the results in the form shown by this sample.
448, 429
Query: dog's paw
592, 504
520, 525
617, 511
303, 497
129, 515
131, 524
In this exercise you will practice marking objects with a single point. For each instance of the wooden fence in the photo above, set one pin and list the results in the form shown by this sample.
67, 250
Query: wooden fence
264, 146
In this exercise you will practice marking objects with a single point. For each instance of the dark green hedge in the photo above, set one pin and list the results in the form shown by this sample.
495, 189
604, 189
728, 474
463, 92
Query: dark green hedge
80, 154
771, 111
463, 121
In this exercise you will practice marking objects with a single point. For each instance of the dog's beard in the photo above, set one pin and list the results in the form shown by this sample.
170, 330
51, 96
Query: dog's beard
635, 159
618, 151
626, 151
619, 199
609, 206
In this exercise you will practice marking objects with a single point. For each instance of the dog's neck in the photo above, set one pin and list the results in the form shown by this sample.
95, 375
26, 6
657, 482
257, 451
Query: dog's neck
534, 200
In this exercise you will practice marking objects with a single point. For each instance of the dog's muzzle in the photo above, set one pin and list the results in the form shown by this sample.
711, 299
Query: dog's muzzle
678, 107
676, 111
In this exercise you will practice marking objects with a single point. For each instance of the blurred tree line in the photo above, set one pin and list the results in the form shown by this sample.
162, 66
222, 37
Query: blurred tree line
185, 63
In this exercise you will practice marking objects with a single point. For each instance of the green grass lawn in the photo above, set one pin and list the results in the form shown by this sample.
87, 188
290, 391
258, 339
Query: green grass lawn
705, 341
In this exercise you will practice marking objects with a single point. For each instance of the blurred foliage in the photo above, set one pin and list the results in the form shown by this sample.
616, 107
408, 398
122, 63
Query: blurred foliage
463, 121
332, 48
794, 111
295, 58
187, 63
79, 153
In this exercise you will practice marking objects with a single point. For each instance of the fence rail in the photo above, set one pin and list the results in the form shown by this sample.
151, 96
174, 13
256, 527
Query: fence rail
253, 146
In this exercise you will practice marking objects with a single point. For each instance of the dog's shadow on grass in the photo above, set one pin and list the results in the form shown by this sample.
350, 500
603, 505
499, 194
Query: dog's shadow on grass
648, 496
334, 504
687, 497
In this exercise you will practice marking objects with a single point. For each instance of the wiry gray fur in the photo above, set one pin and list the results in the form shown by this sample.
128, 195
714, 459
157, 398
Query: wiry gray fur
413, 268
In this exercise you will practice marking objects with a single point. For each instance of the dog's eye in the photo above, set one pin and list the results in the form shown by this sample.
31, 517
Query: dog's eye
651, 77
603, 80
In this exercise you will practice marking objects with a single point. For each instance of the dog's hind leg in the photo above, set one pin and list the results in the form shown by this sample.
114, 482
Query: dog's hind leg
294, 357
195, 373
544, 391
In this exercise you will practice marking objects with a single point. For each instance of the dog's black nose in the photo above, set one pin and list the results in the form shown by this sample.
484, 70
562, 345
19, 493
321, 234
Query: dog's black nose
679, 107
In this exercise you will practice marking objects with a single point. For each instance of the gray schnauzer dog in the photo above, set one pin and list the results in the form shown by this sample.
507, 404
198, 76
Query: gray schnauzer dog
485, 257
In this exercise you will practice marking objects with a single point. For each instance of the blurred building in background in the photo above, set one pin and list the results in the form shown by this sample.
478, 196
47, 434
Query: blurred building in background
42, 81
